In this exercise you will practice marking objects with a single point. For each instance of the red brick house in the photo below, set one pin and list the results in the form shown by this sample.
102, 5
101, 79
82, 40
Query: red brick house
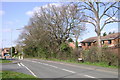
71, 44
5, 51
111, 40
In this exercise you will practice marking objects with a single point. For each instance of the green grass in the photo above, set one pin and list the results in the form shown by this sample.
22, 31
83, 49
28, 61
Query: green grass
5, 61
101, 64
10, 75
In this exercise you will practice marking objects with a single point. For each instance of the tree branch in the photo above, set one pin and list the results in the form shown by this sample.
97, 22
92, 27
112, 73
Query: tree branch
107, 10
89, 22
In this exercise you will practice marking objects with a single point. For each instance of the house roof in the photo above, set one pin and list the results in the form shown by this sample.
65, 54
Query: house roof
111, 36
108, 37
6, 48
91, 39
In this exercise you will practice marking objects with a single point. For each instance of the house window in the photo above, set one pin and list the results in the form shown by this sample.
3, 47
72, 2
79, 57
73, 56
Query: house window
109, 42
89, 44
83, 44
7, 50
102, 42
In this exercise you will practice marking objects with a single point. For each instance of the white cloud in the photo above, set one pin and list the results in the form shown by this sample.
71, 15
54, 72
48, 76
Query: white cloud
52, 4
38, 8
29, 13
2, 12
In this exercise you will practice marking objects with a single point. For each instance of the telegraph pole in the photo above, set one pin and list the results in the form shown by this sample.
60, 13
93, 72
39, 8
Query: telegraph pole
11, 43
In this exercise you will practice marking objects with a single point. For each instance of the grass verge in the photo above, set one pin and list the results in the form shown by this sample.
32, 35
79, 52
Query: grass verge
10, 75
101, 64
5, 61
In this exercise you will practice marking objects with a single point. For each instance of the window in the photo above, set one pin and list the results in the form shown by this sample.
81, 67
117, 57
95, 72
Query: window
7, 50
109, 42
89, 44
83, 44
102, 42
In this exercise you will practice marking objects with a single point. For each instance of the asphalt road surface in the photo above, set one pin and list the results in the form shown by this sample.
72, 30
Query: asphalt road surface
53, 69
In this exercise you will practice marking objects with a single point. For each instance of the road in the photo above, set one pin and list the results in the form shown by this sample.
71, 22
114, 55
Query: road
53, 69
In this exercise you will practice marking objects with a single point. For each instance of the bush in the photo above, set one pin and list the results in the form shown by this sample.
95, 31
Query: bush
66, 51
70, 40
64, 47
42, 53
107, 56
91, 55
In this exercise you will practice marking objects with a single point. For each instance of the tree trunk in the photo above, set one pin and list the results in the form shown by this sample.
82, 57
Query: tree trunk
99, 47
99, 41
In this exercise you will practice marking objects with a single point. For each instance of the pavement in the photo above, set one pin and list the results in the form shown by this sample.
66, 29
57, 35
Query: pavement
57, 70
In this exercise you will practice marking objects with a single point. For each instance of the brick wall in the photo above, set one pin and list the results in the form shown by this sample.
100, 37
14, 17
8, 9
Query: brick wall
106, 42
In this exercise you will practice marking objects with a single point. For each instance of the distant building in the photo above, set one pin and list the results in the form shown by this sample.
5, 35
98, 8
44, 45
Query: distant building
5, 51
72, 44
111, 40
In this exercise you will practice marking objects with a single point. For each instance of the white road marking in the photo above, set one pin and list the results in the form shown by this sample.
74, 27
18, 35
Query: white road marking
28, 69
33, 61
61, 63
18, 64
85, 67
89, 76
68, 70
45, 64
61, 68
54, 67
22, 64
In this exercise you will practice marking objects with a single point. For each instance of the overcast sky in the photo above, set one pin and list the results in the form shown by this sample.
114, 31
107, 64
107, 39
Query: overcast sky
15, 15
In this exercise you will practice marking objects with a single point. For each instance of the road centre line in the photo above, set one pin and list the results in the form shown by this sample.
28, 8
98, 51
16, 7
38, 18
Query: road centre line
18, 64
89, 76
28, 69
61, 68
85, 67
54, 67
68, 70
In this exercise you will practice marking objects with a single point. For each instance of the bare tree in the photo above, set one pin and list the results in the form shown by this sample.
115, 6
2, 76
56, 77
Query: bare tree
100, 14
50, 27
60, 20
77, 32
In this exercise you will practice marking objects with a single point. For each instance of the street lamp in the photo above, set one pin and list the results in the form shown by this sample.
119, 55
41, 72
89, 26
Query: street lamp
11, 41
21, 57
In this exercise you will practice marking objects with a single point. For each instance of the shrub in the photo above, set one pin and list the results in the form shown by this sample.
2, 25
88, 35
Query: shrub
64, 47
107, 55
66, 51
70, 40
91, 55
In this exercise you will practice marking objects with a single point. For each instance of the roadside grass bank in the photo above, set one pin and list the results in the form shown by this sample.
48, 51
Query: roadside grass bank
10, 75
5, 61
101, 64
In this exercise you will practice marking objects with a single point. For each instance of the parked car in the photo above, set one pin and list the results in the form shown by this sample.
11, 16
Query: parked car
7, 56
